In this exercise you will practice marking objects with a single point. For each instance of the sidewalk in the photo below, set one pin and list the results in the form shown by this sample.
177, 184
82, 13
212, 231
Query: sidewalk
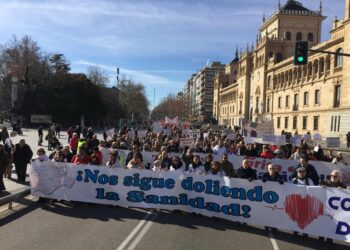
11, 187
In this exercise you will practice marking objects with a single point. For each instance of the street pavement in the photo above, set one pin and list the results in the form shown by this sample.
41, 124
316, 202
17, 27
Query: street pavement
32, 224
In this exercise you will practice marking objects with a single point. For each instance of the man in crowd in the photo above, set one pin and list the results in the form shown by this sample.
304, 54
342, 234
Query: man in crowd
21, 157
4, 161
134, 152
310, 171
246, 172
272, 174
227, 166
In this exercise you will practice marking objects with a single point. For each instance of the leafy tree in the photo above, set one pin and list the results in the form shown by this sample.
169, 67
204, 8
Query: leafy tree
97, 76
59, 64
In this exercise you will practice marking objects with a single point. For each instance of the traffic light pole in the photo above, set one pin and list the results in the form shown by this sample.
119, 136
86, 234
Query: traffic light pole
328, 52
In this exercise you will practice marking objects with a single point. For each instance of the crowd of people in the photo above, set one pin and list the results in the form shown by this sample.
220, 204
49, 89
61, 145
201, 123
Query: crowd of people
83, 147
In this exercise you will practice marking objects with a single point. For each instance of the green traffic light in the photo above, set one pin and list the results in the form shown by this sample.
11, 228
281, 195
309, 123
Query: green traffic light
300, 59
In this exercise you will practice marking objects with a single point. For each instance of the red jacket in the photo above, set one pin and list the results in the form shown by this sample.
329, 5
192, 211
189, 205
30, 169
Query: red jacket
73, 144
266, 155
84, 160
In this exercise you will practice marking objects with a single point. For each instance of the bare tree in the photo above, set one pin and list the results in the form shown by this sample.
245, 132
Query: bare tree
98, 76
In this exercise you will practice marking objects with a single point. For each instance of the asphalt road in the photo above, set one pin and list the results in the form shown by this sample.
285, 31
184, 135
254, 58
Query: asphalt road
36, 225
63, 225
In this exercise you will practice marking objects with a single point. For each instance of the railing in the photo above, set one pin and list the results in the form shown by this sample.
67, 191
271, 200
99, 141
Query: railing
12, 197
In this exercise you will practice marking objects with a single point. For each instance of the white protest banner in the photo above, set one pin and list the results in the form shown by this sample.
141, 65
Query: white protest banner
231, 136
167, 131
196, 134
307, 137
157, 130
131, 134
311, 210
142, 133
317, 137
252, 140
186, 142
296, 141
265, 128
333, 142
274, 139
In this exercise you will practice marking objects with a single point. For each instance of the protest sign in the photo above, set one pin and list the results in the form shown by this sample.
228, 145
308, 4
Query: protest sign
311, 210
142, 133
264, 128
307, 137
186, 132
186, 142
196, 134
317, 138
333, 142
167, 131
131, 134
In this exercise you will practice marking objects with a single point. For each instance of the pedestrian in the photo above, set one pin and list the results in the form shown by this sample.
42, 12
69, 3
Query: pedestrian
4, 161
8, 147
135, 162
135, 151
74, 143
49, 138
21, 157
70, 133
338, 159
4, 134
41, 135
81, 157
215, 169
58, 130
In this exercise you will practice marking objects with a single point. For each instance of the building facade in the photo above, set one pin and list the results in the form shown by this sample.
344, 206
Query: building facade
268, 85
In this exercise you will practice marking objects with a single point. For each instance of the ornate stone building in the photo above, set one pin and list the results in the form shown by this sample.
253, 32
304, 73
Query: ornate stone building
268, 86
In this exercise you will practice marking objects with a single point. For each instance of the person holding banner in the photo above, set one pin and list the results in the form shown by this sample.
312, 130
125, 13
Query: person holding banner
338, 159
215, 169
272, 174
227, 166
310, 171
165, 162
301, 178
81, 157
334, 181
113, 160
207, 164
136, 163
134, 152
196, 165
187, 156
246, 172
176, 164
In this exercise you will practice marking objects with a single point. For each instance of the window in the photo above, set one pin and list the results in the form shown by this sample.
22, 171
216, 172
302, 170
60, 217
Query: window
316, 122
288, 36
295, 122
268, 81
299, 36
278, 122
336, 96
240, 107
321, 65
335, 123
339, 58
279, 102
317, 96
287, 101
304, 122
257, 105
296, 99
268, 105
286, 122
310, 37
306, 98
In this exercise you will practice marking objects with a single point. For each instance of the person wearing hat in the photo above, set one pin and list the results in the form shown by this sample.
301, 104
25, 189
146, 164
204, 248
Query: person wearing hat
311, 172
338, 159
301, 178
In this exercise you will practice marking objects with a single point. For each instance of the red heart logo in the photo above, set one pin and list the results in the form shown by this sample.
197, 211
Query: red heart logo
301, 210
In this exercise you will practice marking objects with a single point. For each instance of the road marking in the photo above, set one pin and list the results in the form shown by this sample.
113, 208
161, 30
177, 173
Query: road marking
142, 233
134, 231
273, 241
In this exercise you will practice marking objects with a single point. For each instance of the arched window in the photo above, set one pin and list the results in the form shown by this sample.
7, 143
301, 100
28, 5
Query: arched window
315, 67
299, 36
339, 58
288, 36
328, 63
310, 37
268, 81
322, 65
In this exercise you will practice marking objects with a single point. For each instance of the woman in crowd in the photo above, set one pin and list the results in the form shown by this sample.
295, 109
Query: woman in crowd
135, 163
94, 160
113, 160
196, 165
41, 155
207, 162
165, 161
215, 169
81, 157
176, 164
59, 156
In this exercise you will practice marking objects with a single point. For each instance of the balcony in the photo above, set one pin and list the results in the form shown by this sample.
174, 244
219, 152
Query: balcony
295, 107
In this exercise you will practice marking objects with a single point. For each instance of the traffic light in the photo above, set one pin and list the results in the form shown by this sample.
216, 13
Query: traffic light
301, 53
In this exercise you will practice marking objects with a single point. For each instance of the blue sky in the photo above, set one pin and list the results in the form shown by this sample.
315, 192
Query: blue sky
159, 43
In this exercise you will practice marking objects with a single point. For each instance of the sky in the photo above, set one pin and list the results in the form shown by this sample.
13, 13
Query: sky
158, 43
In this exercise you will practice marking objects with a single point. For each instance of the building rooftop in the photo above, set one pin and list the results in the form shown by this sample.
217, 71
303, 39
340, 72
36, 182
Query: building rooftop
293, 5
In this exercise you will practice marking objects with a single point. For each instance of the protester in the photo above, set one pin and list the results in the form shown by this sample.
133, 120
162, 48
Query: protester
81, 157
334, 181
135, 162
196, 165
113, 160
310, 171
41, 135
220, 148
301, 178
4, 161
215, 169
297, 155
339, 159
227, 166
266, 153
348, 139
176, 164
69, 133
157, 165
207, 162
246, 172
4, 134
21, 157
187, 157
59, 156
49, 138
41, 155
94, 160
8, 147
74, 143
272, 174
134, 152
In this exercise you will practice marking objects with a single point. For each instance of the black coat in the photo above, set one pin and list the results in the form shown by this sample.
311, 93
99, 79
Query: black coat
22, 155
248, 173
277, 177
310, 173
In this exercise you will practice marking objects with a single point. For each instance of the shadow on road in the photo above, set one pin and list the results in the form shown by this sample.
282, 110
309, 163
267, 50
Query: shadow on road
178, 218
